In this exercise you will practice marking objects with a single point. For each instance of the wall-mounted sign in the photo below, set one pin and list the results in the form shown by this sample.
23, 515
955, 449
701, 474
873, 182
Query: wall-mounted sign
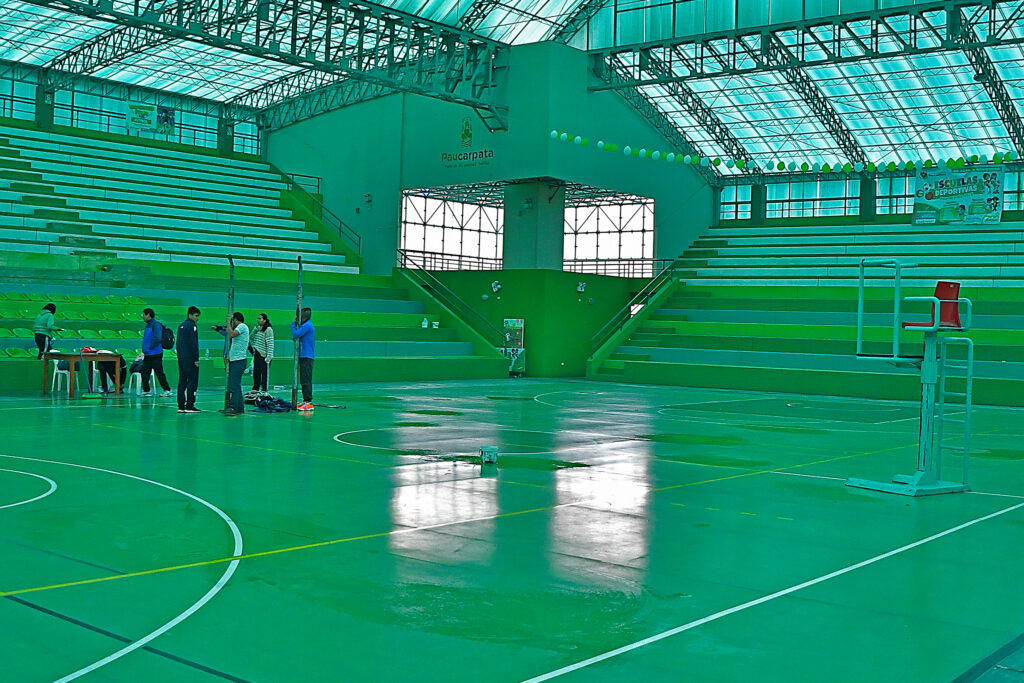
958, 196
466, 156
141, 117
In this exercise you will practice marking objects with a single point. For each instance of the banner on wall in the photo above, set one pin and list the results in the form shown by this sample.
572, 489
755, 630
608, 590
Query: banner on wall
958, 196
149, 118
514, 348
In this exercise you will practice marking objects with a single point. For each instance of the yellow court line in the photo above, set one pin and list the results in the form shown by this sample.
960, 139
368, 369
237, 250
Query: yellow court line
264, 553
409, 530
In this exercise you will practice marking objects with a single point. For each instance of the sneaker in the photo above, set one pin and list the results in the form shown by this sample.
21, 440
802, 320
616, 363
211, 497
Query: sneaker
228, 411
165, 394
182, 410
305, 407
192, 410
147, 394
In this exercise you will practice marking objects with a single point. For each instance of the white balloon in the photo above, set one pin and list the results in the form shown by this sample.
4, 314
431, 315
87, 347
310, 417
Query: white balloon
687, 159
577, 140
627, 150
729, 163
656, 155
563, 137
704, 161
859, 166
600, 144
792, 166
643, 151
671, 156
554, 134
816, 167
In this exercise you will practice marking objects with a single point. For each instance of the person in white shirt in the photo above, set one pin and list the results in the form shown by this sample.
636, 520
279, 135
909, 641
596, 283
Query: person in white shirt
237, 333
262, 351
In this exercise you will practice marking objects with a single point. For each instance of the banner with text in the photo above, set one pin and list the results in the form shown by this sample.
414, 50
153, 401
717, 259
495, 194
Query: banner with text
958, 196
149, 118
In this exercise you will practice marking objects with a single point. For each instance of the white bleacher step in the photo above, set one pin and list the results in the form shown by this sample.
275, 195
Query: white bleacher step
952, 261
145, 195
847, 240
861, 228
29, 133
106, 187
845, 282
134, 180
115, 150
872, 251
161, 222
853, 271
215, 230
240, 238
168, 257
97, 166
221, 249
269, 216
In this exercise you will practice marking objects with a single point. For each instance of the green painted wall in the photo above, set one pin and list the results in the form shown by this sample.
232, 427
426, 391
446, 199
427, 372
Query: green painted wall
559, 322
384, 146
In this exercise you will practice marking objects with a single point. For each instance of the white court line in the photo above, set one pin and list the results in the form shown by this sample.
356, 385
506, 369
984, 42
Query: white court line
999, 495
759, 601
196, 606
53, 487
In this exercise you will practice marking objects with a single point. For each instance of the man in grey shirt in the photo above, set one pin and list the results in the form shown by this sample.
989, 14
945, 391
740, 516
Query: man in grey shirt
237, 333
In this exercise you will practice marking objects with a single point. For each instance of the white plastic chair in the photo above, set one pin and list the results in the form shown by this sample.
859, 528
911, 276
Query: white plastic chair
136, 379
61, 379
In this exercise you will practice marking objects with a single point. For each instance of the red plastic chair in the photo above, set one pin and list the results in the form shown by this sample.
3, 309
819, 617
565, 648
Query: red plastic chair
948, 294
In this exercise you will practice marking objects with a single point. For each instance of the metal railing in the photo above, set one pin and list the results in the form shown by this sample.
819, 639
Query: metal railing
635, 305
433, 260
622, 267
450, 300
309, 183
322, 212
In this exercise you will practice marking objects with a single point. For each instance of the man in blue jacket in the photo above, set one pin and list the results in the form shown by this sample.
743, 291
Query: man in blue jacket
188, 362
153, 353
305, 333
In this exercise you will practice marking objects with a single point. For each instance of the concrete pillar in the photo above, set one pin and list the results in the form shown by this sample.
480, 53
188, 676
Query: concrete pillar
716, 206
225, 136
868, 197
44, 104
758, 204
534, 226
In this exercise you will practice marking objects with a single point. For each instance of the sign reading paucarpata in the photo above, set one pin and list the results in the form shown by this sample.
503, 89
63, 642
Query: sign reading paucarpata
463, 154
959, 196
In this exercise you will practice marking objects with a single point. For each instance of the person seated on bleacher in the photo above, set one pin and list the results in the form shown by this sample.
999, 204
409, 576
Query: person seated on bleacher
44, 328
107, 368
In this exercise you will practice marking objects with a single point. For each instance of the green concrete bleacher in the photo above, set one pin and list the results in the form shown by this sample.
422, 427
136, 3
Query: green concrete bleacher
774, 308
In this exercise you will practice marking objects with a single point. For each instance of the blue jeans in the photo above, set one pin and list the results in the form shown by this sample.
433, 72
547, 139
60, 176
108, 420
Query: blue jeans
235, 370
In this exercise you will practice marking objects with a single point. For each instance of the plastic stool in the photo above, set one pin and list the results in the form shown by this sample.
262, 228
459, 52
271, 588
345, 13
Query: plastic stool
136, 379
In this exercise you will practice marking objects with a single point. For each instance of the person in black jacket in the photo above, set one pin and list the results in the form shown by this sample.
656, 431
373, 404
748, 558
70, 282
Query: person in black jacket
188, 362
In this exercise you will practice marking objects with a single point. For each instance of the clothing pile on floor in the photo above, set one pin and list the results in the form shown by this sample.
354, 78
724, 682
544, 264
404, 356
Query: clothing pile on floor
263, 402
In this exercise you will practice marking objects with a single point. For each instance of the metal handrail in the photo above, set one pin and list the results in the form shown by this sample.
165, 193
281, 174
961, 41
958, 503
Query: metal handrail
452, 301
325, 214
627, 312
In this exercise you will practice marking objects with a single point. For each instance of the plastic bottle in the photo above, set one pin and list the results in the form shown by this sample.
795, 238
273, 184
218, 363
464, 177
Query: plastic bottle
425, 324
207, 354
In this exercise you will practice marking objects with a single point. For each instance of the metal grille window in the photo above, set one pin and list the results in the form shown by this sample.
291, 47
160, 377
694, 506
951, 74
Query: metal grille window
610, 238
734, 203
895, 196
1013, 191
442, 234
813, 199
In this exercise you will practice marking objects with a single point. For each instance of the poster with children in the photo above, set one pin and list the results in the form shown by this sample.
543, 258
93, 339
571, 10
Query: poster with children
958, 196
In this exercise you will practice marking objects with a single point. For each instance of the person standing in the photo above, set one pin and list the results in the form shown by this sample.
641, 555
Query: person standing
188, 361
237, 334
44, 326
262, 351
153, 353
305, 333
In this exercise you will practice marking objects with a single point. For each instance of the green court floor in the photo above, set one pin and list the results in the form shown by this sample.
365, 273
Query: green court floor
627, 533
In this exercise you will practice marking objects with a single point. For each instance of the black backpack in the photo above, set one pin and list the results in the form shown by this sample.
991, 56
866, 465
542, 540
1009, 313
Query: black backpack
166, 337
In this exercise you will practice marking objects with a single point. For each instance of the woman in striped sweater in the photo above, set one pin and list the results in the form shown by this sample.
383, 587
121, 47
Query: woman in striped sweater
262, 344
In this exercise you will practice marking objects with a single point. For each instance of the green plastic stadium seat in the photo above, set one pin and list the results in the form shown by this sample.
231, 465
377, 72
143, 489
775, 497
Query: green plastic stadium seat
116, 299
135, 300
87, 334
78, 298
15, 296
74, 315
5, 333
130, 334
109, 334
128, 354
112, 315
98, 298
23, 332
3, 354
37, 296
8, 314
22, 353
56, 298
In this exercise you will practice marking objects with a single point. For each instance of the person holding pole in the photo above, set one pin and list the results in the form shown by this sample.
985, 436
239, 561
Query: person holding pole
237, 333
304, 332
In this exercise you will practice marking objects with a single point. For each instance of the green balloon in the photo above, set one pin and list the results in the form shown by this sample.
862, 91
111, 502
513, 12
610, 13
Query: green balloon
871, 166
928, 163
847, 167
781, 166
740, 163
891, 166
826, 168
804, 166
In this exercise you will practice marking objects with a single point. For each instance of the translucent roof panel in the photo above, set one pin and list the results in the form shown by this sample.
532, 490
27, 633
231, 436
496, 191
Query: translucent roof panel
196, 70
508, 21
914, 107
36, 35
